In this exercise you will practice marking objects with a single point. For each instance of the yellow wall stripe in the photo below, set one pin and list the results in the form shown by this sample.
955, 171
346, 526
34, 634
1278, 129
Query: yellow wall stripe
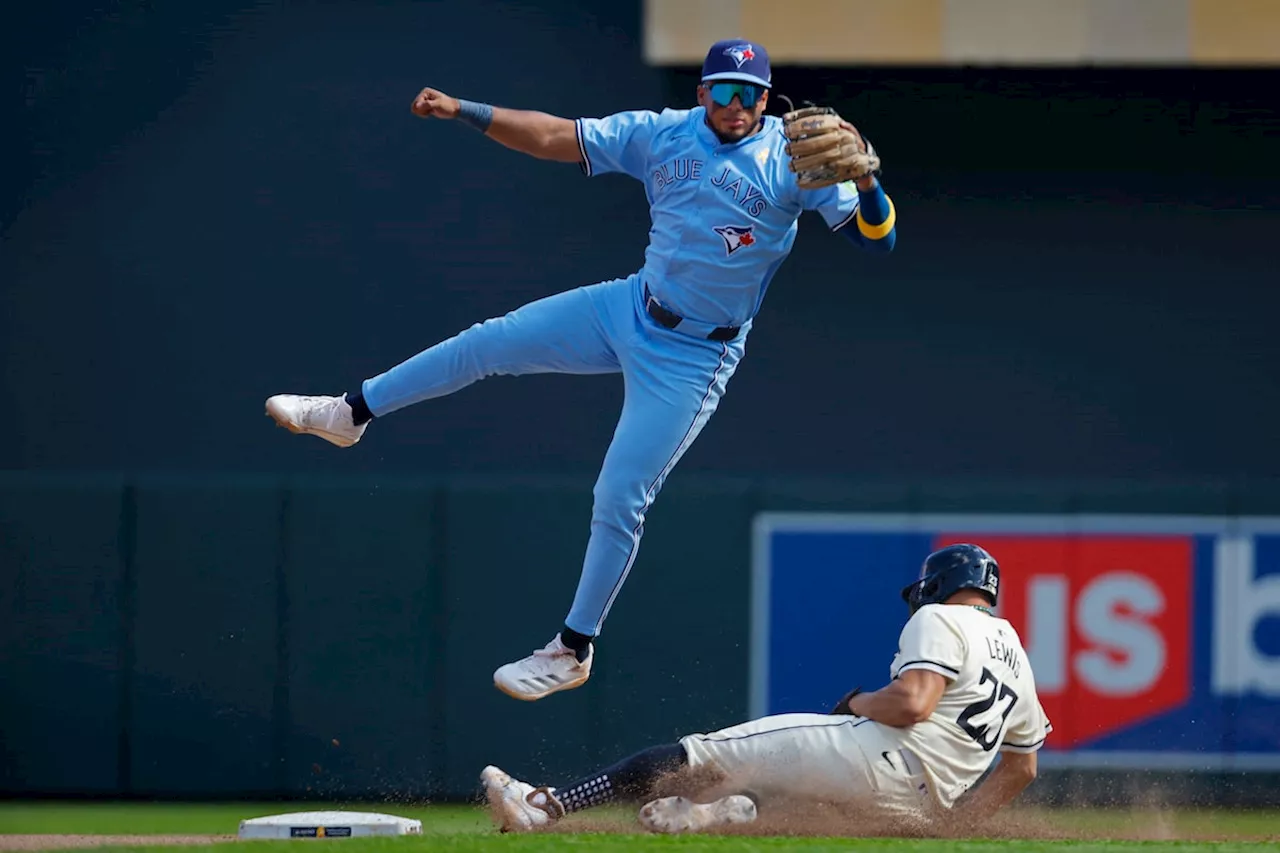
1054, 31
1153, 32
680, 31
1231, 32
831, 31
982, 32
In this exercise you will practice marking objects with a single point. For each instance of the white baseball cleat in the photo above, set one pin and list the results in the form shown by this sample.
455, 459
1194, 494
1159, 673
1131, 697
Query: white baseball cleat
328, 417
676, 814
518, 806
548, 670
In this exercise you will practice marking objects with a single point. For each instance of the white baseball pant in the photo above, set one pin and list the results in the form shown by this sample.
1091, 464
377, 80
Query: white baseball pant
817, 757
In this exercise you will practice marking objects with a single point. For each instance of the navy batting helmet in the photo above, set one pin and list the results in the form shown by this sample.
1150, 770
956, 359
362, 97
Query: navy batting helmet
949, 570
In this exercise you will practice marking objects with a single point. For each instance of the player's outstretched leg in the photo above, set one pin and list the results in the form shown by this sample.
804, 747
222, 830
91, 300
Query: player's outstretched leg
559, 334
673, 386
519, 806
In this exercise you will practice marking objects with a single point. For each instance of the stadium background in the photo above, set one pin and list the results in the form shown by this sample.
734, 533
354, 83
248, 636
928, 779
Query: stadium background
207, 204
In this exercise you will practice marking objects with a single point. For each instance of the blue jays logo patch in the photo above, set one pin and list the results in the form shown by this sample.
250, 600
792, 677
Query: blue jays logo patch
741, 53
736, 236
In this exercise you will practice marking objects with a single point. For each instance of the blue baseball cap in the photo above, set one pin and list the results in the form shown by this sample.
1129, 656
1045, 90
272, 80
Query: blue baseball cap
738, 59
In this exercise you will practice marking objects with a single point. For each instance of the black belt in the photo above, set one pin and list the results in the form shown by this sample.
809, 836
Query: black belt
670, 319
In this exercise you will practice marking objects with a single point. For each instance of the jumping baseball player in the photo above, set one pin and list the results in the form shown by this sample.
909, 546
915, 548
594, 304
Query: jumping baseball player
962, 691
726, 185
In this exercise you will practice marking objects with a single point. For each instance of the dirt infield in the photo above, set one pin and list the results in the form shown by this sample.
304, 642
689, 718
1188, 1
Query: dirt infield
799, 821
1150, 820
61, 842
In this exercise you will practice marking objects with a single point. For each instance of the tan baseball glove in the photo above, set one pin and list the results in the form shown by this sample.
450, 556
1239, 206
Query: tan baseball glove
825, 149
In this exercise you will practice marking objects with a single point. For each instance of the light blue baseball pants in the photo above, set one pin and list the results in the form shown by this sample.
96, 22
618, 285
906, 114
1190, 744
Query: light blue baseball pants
673, 383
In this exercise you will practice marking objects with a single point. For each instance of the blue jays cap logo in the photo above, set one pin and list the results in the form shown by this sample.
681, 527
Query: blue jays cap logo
736, 236
737, 59
740, 53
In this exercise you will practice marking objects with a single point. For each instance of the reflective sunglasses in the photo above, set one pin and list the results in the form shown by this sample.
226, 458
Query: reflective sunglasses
748, 93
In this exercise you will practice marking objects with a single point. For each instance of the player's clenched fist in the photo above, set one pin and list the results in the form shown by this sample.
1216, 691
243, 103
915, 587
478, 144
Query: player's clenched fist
432, 103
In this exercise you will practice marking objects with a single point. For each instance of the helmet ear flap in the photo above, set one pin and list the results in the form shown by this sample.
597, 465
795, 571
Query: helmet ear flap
927, 591
913, 595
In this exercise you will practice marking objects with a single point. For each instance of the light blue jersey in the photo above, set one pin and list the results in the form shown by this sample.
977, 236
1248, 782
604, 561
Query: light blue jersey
724, 219
724, 216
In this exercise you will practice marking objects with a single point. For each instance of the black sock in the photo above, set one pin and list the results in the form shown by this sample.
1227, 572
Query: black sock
580, 643
630, 779
359, 408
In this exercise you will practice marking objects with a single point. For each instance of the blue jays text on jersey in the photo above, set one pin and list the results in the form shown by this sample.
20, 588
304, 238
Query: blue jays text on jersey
724, 215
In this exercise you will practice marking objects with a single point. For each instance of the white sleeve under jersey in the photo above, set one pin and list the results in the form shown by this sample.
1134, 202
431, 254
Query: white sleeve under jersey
990, 702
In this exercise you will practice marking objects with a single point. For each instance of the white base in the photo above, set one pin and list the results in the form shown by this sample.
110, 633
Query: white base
328, 825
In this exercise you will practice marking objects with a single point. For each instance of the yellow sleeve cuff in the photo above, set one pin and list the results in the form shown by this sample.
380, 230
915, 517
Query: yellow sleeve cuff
876, 232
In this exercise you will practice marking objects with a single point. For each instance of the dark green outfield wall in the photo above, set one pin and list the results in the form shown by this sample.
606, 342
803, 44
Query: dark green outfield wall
248, 636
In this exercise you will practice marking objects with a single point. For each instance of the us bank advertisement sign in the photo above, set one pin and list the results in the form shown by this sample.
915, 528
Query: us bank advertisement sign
1154, 640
